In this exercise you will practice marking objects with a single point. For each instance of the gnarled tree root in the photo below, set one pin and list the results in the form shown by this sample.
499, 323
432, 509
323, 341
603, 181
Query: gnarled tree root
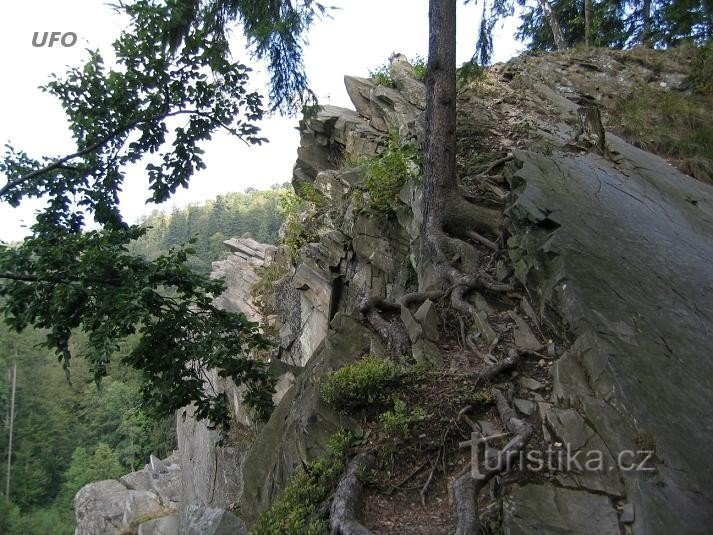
467, 487
343, 519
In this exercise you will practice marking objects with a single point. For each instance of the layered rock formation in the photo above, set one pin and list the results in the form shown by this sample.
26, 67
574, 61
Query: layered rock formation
613, 250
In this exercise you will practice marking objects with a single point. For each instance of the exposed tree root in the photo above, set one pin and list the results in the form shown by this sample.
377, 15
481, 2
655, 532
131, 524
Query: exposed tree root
463, 215
482, 240
467, 487
495, 165
508, 363
343, 518
392, 332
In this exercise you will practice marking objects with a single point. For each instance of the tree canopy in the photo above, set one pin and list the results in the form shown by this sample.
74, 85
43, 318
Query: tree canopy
275, 31
614, 23
156, 106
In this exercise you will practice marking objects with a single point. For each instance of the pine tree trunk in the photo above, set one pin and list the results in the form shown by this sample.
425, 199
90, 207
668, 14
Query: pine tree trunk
588, 23
440, 148
554, 24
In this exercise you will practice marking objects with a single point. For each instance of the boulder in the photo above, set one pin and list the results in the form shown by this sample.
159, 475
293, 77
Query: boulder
166, 525
402, 74
538, 509
197, 519
107, 507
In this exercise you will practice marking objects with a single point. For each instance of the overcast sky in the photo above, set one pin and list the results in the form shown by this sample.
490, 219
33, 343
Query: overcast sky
359, 37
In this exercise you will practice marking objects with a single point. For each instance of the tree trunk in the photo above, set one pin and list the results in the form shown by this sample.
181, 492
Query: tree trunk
439, 171
587, 23
646, 29
554, 24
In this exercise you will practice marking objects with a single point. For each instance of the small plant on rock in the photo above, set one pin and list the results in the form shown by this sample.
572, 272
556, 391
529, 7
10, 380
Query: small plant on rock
359, 384
300, 227
419, 68
387, 173
382, 75
398, 422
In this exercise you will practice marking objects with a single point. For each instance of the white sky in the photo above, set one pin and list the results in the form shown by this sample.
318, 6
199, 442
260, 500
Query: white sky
358, 38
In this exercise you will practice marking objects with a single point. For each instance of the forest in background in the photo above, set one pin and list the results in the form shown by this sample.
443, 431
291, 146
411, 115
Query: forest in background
67, 434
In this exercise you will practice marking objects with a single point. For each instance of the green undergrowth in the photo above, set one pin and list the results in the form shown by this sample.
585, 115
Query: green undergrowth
295, 511
671, 124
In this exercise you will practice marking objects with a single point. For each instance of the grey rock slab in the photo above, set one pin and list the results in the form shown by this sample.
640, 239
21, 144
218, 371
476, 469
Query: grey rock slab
166, 525
197, 519
623, 250
430, 320
627, 514
525, 406
426, 352
488, 428
413, 327
529, 383
302, 424
402, 74
540, 509
524, 339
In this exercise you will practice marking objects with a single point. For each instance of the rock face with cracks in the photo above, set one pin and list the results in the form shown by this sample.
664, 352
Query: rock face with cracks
612, 251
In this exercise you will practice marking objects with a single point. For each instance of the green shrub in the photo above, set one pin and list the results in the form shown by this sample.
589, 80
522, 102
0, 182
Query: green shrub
387, 173
294, 510
398, 422
359, 384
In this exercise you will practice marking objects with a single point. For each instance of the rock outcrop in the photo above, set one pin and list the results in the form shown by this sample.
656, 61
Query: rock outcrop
612, 249
109, 507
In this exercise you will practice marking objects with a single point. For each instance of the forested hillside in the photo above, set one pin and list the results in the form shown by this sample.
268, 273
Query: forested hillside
67, 434
255, 214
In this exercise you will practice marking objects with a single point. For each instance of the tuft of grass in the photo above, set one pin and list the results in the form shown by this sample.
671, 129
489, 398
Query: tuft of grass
671, 124
397, 423
359, 384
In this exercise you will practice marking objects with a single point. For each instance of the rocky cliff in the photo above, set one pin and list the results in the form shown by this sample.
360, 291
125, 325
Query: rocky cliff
600, 282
